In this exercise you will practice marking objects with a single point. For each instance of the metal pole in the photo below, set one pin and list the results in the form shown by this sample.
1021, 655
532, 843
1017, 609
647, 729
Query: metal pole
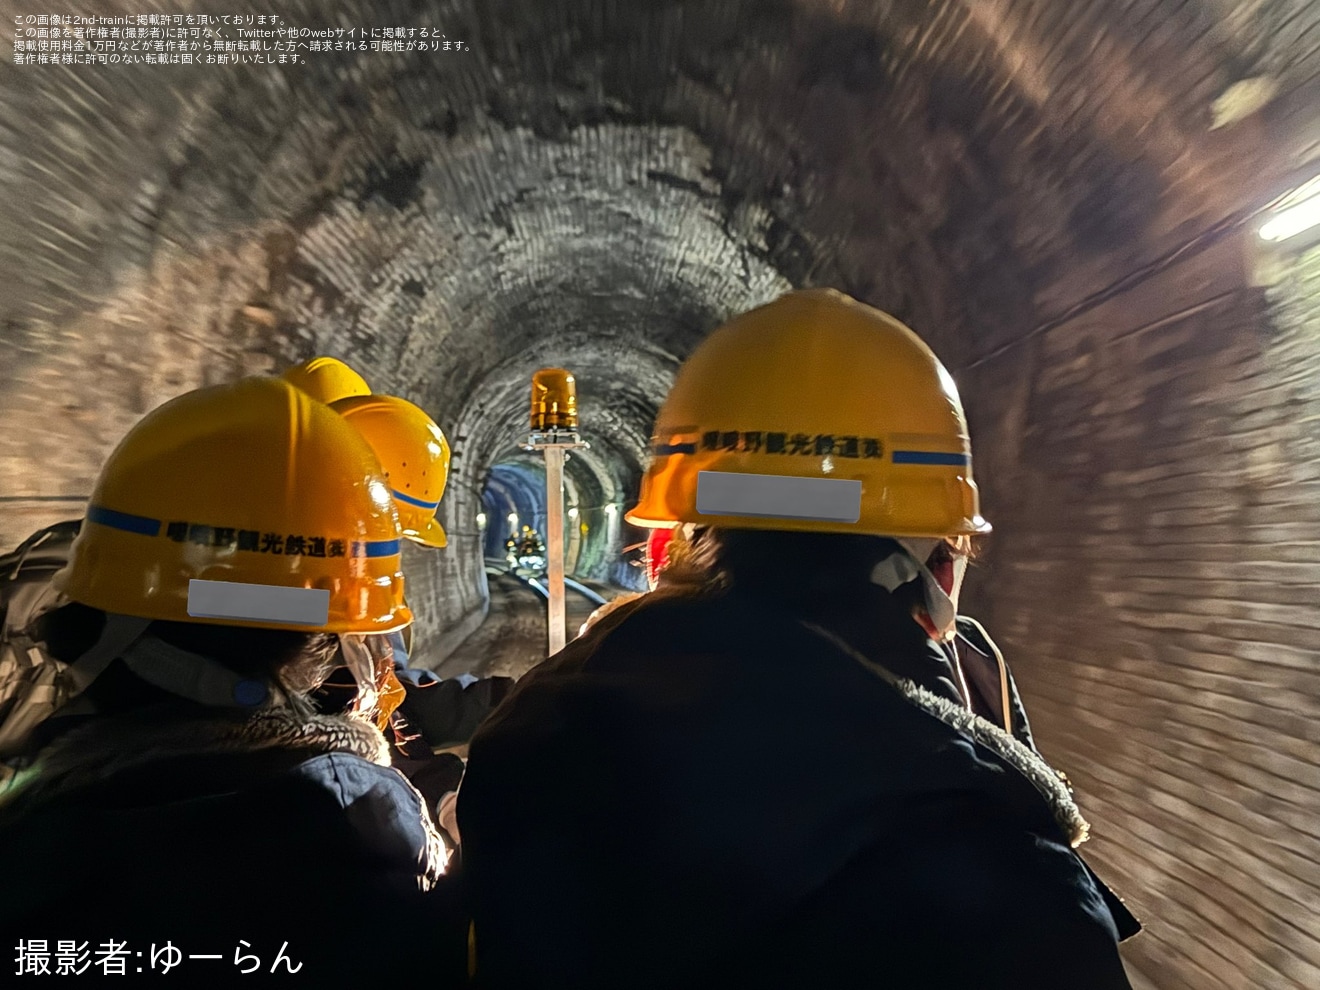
554, 543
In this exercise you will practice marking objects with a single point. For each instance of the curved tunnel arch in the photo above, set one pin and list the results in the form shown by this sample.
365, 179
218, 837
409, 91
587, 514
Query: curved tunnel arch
1058, 197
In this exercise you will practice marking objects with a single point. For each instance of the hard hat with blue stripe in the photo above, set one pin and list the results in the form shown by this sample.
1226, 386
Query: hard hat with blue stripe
248, 504
817, 413
415, 455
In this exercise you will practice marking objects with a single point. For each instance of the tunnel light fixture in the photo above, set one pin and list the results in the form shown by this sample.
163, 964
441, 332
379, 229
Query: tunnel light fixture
513, 521
481, 520
573, 512
1293, 220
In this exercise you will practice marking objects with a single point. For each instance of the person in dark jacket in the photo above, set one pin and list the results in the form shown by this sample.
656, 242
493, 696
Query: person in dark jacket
421, 714
435, 719
773, 770
189, 794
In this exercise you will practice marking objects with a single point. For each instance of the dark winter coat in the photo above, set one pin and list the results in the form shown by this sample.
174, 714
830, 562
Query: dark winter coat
210, 830
435, 714
714, 792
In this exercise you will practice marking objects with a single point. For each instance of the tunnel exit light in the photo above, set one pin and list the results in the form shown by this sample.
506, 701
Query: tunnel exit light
1292, 221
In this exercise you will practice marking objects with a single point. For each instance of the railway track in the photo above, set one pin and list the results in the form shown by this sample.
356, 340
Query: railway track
512, 640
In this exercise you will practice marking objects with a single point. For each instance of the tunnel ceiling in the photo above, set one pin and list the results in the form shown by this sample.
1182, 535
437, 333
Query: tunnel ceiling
596, 185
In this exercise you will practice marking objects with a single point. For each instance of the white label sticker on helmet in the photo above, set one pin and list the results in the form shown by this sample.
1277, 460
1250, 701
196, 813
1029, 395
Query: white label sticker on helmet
258, 602
720, 493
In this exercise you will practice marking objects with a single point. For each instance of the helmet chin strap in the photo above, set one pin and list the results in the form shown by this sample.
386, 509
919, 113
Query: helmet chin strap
393, 693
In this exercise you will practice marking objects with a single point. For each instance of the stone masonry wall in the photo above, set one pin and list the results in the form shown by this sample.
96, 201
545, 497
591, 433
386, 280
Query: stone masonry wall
1153, 472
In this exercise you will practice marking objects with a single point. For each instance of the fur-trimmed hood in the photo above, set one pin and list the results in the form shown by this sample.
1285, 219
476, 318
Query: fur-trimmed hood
155, 761
211, 828
1047, 781
108, 747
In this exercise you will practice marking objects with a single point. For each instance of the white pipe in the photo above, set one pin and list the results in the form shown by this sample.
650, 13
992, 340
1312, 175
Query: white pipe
554, 545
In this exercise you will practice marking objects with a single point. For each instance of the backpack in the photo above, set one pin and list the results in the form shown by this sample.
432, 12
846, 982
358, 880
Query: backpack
32, 685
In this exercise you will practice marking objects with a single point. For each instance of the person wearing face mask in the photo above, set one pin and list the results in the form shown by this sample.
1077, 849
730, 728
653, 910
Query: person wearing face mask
764, 772
932, 589
977, 665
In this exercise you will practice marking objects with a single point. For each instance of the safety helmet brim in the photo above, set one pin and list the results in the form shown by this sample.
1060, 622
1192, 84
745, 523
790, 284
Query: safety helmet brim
432, 534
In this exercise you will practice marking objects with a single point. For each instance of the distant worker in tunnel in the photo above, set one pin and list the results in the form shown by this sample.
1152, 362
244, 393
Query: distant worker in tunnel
235, 540
526, 550
765, 772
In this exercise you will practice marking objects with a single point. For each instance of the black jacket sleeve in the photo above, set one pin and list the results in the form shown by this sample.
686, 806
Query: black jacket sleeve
447, 712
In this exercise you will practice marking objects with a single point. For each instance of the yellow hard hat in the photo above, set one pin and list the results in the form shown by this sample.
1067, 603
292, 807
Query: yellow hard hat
414, 453
247, 504
815, 413
327, 379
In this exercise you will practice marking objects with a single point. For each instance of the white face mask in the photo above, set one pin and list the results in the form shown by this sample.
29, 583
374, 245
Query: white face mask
367, 656
941, 596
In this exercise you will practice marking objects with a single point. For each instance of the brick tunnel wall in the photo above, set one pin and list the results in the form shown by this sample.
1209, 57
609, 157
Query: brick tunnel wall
1152, 468
68, 396
447, 588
